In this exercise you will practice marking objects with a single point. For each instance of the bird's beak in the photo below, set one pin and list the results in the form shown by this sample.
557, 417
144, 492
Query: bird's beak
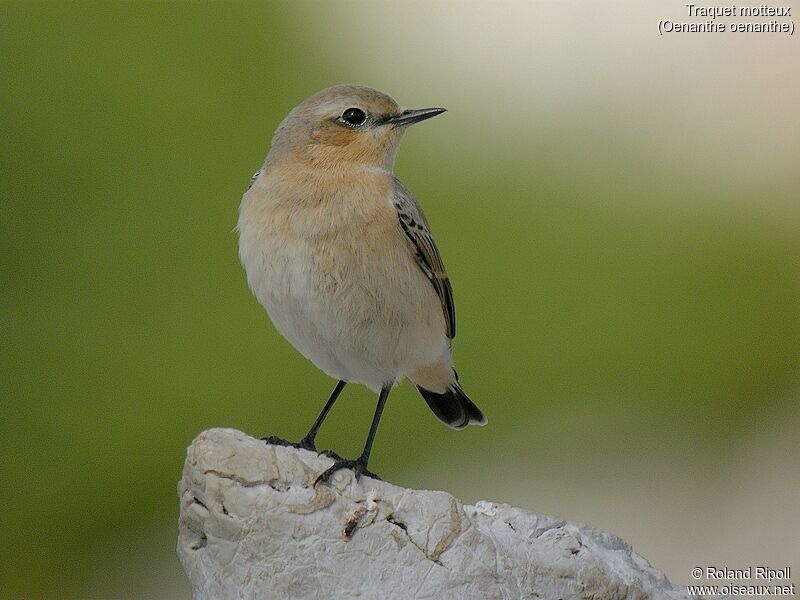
407, 117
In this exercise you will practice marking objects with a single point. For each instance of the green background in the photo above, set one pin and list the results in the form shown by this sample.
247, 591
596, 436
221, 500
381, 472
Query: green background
594, 325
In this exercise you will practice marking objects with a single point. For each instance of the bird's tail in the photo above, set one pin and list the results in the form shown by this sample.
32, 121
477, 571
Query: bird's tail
453, 407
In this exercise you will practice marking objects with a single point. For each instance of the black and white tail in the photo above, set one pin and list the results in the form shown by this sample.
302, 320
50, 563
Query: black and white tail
453, 407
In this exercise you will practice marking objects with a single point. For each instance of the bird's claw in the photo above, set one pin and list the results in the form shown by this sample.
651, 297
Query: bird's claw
304, 444
358, 466
331, 454
307, 444
274, 440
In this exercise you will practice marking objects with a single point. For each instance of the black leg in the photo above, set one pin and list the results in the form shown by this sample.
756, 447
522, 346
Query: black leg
359, 465
373, 429
308, 441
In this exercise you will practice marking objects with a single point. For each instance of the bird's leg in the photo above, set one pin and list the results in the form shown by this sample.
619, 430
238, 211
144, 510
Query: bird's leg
359, 465
307, 442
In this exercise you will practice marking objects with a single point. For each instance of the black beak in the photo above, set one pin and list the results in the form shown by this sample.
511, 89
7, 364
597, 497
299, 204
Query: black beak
407, 117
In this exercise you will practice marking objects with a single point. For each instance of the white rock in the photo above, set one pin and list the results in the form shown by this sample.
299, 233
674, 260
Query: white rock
252, 525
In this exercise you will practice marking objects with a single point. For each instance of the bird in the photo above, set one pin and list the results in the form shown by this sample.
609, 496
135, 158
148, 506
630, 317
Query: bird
340, 254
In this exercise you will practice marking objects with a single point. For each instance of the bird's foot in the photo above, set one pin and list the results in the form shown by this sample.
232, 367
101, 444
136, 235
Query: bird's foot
305, 444
358, 466
331, 454
274, 440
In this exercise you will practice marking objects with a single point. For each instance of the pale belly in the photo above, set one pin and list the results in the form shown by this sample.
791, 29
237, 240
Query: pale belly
356, 304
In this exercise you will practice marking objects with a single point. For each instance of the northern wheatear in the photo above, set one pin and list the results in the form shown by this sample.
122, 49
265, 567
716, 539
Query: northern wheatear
340, 254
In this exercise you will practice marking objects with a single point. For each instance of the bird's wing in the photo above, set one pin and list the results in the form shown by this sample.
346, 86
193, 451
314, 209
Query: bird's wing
415, 226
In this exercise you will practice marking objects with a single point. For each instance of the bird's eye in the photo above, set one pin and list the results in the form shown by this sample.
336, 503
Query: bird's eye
354, 117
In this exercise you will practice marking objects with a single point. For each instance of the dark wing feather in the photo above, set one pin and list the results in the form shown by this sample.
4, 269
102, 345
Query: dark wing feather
254, 177
415, 226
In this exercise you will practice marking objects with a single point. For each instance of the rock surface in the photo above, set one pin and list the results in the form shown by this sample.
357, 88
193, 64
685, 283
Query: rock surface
252, 525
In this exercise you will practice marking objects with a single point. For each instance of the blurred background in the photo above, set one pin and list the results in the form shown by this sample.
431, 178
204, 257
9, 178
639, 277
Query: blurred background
618, 211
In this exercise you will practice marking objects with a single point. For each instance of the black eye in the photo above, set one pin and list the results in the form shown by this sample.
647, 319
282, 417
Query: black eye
354, 116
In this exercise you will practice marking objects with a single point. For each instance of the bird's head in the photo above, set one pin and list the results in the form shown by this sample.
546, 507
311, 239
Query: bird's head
346, 125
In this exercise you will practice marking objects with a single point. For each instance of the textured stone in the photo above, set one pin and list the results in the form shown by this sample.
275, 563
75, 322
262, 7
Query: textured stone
252, 525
